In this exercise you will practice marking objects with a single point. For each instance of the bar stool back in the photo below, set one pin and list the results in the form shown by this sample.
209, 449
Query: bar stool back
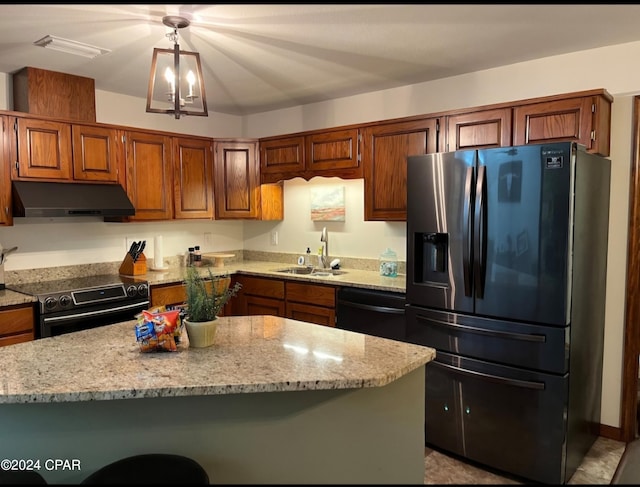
152, 468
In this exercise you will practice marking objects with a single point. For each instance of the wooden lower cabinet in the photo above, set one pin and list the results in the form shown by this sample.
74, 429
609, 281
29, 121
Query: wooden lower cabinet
300, 295
258, 296
17, 324
175, 294
313, 303
167, 295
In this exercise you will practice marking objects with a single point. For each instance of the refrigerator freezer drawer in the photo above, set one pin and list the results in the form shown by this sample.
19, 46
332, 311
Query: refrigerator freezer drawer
537, 347
503, 417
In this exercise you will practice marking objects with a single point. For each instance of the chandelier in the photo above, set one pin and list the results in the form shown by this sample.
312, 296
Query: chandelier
176, 84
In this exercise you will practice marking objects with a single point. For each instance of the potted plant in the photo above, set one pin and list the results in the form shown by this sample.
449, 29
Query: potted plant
205, 299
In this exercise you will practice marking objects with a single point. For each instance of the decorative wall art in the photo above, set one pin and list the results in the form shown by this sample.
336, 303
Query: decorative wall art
327, 203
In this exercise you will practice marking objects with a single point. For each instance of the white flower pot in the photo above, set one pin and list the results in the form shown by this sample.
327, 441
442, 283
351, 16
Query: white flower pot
201, 333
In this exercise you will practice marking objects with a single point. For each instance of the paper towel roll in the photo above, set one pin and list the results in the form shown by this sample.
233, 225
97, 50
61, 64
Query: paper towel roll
158, 253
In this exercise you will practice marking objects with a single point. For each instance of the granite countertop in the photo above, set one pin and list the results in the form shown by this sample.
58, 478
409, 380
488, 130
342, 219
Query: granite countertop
250, 354
10, 298
351, 277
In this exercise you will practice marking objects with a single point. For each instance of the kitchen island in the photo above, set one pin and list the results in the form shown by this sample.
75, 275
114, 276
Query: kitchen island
274, 400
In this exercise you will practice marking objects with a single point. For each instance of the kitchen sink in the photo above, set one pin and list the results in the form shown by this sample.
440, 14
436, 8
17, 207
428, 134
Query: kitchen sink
310, 271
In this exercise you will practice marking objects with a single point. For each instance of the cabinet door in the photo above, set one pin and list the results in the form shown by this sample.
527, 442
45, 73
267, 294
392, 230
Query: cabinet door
237, 180
168, 295
479, 130
385, 149
6, 216
192, 175
17, 324
281, 158
43, 149
585, 120
333, 153
258, 296
311, 314
255, 305
97, 153
149, 175
311, 302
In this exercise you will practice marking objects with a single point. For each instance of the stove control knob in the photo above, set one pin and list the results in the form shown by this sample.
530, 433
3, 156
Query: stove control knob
143, 290
131, 290
65, 300
50, 302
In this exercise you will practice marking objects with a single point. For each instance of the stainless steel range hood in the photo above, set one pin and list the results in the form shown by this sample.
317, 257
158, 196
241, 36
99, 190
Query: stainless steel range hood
47, 199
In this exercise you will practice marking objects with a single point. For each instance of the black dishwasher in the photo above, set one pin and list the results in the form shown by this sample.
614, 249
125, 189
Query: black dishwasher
378, 313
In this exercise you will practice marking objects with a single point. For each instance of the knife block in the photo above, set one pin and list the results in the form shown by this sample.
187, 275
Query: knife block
131, 268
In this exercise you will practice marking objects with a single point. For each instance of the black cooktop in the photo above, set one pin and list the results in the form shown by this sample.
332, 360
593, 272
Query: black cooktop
42, 288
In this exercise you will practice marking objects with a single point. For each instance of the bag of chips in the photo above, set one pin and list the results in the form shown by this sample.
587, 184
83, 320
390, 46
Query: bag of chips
156, 331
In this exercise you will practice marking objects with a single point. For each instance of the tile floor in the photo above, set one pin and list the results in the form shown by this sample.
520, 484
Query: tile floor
597, 467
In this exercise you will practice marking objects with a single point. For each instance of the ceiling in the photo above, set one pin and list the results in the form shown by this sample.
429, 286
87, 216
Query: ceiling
258, 58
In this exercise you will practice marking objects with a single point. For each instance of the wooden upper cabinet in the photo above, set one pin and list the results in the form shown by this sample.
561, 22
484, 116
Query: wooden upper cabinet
236, 180
585, 120
149, 175
281, 156
6, 215
238, 192
479, 130
42, 149
385, 149
193, 177
330, 153
333, 153
97, 153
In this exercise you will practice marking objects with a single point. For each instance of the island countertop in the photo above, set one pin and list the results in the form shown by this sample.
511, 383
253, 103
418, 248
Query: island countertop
250, 354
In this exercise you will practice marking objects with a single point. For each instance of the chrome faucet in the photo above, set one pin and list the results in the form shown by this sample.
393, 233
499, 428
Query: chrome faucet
324, 237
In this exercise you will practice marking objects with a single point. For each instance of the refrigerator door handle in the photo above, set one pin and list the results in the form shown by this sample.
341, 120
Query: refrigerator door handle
489, 377
480, 232
484, 331
467, 232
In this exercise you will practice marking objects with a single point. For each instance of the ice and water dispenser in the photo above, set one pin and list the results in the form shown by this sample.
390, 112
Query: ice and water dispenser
431, 251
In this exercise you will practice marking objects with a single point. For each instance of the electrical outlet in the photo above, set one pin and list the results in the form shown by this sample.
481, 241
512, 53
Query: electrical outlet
208, 238
274, 237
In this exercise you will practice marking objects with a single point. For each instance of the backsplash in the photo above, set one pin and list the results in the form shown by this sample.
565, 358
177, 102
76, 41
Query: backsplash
69, 271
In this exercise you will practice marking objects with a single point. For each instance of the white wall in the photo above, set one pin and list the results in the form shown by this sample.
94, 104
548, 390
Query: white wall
352, 238
611, 68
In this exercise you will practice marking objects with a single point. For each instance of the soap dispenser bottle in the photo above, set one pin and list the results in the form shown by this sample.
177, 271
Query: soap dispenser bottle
307, 259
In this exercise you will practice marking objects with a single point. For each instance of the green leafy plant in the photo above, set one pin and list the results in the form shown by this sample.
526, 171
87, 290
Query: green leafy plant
206, 297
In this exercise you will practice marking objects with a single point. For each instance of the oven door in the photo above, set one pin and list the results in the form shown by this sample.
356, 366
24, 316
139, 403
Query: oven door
52, 324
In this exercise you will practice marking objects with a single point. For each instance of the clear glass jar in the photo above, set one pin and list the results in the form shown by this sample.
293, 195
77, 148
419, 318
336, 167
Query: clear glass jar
389, 263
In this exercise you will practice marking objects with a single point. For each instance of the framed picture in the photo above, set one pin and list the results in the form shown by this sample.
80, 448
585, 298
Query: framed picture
327, 203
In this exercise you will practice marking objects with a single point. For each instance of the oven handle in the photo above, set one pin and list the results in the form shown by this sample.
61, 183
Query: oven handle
96, 313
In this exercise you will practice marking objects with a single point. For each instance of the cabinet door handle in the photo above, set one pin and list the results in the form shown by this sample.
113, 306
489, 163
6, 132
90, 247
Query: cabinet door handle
490, 377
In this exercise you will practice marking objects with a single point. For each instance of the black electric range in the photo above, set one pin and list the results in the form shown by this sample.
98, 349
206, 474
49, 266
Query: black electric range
79, 303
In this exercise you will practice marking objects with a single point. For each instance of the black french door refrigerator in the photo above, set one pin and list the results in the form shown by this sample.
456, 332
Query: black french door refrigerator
506, 277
